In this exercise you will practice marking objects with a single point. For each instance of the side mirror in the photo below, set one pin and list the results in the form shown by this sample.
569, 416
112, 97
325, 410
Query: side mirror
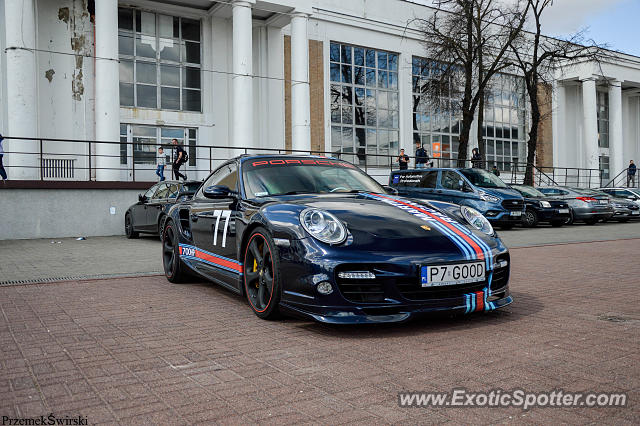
467, 188
218, 192
142, 198
390, 190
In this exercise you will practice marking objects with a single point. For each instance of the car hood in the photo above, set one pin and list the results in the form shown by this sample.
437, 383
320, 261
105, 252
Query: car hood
387, 223
504, 193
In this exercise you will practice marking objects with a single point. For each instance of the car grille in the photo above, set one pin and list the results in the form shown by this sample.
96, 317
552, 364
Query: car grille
410, 288
513, 204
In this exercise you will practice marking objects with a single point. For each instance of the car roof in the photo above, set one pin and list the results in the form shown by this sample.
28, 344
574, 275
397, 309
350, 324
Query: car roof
246, 157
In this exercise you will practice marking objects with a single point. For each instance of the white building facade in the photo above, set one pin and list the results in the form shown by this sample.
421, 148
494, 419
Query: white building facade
225, 77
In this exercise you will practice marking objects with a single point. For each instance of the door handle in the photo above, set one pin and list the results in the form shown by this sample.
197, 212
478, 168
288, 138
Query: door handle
194, 217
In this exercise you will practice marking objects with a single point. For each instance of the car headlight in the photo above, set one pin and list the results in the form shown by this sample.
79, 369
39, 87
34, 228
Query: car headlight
545, 204
486, 197
323, 226
477, 220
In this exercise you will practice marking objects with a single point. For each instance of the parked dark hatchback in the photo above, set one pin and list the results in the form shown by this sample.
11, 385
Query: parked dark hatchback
148, 214
542, 209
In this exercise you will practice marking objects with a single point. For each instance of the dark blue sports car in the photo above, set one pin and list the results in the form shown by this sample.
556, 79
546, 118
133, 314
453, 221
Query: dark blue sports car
318, 238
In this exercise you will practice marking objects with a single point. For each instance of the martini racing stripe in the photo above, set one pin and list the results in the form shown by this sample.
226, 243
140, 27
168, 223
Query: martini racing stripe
464, 248
194, 253
470, 242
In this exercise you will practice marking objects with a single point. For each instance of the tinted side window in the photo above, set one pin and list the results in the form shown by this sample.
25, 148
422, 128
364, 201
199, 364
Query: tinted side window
562, 192
429, 179
226, 175
451, 180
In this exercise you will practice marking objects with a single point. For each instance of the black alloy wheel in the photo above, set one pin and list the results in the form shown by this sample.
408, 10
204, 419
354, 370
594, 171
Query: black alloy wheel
530, 219
261, 276
128, 227
173, 268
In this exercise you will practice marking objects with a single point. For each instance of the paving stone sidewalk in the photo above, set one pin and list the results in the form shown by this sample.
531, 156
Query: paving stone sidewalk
142, 350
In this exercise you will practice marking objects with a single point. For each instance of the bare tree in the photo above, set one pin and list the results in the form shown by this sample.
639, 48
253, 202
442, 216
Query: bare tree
468, 41
538, 59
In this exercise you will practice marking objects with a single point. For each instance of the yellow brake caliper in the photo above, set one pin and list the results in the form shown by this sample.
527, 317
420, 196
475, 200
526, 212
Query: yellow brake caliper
255, 268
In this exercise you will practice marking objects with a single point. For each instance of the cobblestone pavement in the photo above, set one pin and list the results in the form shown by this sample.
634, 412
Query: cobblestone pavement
142, 350
34, 260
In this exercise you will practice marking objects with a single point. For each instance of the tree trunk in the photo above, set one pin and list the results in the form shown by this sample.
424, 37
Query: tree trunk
480, 137
467, 120
532, 143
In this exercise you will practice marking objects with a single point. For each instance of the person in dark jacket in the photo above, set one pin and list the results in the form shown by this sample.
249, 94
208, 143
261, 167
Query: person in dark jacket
403, 160
422, 158
476, 159
179, 158
631, 174
495, 170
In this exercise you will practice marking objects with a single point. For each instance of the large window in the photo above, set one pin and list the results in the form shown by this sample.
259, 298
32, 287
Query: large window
602, 100
364, 104
147, 139
504, 122
436, 128
160, 61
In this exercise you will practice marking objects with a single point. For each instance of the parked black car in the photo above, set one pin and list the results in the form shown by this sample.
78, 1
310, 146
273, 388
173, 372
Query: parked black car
542, 209
148, 214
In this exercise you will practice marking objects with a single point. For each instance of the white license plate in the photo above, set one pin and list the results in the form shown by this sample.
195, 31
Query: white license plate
515, 213
454, 274
563, 211
603, 202
635, 212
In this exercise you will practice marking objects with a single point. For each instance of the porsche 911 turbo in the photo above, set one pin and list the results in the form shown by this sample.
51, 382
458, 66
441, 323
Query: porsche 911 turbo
317, 238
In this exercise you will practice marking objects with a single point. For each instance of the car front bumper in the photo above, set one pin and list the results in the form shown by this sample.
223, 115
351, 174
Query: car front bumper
395, 295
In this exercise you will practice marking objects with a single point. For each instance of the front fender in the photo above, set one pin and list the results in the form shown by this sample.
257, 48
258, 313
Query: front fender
282, 220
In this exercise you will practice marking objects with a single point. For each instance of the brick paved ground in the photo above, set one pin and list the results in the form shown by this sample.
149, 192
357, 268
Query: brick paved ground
144, 350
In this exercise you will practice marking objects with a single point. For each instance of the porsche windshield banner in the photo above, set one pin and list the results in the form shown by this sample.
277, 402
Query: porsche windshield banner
286, 161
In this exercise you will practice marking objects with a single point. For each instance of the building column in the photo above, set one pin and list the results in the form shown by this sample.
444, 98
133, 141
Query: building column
22, 115
558, 123
107, 107
615, 129
242, 96
300, 97
590, 124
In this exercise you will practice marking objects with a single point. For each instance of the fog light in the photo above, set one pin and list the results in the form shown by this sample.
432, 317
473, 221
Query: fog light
502, 264
325, 288
358, 275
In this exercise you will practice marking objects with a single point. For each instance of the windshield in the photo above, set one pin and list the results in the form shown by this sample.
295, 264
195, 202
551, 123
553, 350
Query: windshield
529, 191
483, 179
304, 175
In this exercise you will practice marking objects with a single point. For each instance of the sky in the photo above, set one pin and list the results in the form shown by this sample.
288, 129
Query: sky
615, 23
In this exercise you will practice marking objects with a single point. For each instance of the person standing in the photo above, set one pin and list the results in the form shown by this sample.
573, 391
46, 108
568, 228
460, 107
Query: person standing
495, 170
476, 159
161, 161
3, 172
403, 160
631, 174
179, 158
422, 158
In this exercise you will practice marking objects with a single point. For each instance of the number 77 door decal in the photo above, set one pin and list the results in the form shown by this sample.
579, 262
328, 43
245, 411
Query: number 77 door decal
225, 214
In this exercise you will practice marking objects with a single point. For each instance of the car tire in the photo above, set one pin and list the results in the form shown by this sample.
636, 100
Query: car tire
128, 227
557, 223
530, 219
261, 275
161, 222
591, 221
570, 219
173, 268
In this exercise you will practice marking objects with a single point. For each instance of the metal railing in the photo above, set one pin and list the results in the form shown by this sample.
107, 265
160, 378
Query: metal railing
78, 160
623, 180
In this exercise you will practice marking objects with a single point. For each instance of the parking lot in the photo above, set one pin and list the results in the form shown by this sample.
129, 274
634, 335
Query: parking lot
140, 350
